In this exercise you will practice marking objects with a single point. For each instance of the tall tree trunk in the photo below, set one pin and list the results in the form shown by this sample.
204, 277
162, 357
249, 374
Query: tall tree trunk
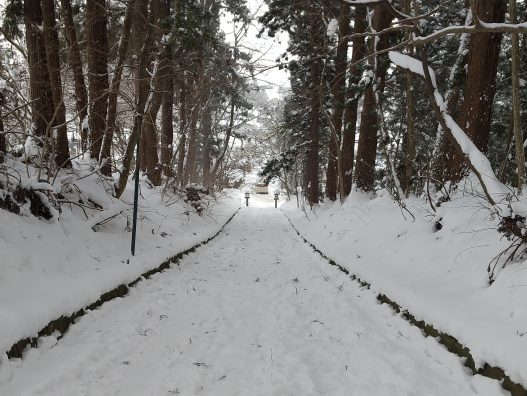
200, 96
476, 111
167, 128
75, 62
352, 101
183, 131
51, 41
97, 40
114, 91
190, 173
312, 158
367, 149
3, 147
338, 88
206, 131
40, 86
409, 138
516, 115
142, 103
153, 170
149, 130
143, 84
444, 150
139, 32
223, 152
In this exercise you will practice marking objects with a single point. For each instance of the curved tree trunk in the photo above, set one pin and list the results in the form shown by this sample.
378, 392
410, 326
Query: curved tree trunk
114, 91
143, 84
142, 103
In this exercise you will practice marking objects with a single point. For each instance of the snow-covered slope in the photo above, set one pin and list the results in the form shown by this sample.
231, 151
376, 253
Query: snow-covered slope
50, 268
440, 276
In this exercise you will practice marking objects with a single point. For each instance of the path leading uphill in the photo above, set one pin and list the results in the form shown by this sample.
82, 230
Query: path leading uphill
254, 312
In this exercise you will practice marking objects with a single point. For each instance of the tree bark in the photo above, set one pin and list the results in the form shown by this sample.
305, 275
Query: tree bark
141, 105
443, 149
516, 115
206, 131
139, 33
167, 128
225, 147
149, 130
476, 111
338, 87
114, 91
312, 155
352, 100
153, 169
409, 139
143, 85
190, 173
75, 62
51, 42
3, 147
183, 131
367, 149
39, 84
97, 40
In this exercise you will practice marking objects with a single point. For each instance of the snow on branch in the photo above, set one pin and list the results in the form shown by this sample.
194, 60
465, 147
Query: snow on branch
482, 27
367, 2
479, 163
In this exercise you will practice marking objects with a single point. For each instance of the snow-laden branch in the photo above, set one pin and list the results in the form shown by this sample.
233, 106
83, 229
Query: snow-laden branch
482, 27
478, 162
366, 2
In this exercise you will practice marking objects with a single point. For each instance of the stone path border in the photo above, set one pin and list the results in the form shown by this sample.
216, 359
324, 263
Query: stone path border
63, 323
450, 342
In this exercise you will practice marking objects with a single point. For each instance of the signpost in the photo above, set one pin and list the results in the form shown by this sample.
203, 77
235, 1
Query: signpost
276, 199
246, 199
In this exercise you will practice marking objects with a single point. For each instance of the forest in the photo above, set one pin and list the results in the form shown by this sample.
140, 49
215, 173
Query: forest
391, 134
411, 96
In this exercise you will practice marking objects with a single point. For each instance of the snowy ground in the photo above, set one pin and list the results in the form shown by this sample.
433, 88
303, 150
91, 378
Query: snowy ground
255, 312
440, 276
50, 268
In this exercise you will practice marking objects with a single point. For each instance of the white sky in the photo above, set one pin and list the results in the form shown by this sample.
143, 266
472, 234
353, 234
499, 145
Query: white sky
264, 50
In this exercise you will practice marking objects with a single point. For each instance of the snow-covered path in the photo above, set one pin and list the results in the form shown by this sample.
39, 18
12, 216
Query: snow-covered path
254, 312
